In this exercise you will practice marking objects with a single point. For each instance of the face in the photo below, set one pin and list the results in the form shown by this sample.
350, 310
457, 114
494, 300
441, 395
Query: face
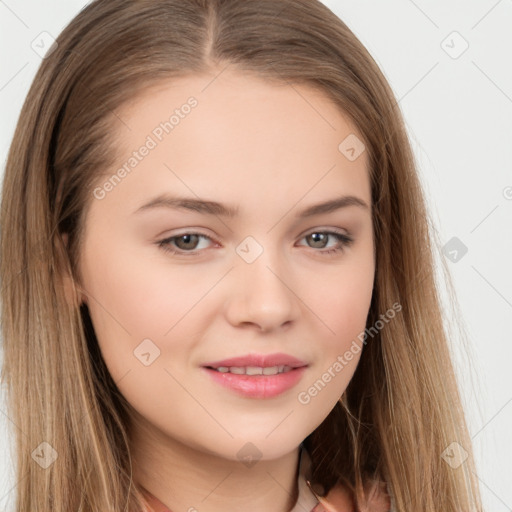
174, 286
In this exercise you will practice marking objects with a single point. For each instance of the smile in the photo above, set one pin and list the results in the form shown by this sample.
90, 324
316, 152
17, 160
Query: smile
254, 370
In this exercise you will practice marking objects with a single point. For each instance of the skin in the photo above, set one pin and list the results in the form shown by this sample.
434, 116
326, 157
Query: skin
272, 151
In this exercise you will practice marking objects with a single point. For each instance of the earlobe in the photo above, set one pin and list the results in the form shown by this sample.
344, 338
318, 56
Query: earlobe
73, 297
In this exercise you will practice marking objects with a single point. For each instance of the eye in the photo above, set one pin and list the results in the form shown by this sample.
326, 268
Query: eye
187, 243
319, 240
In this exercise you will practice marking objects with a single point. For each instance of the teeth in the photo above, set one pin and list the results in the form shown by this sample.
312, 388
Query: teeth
254, 370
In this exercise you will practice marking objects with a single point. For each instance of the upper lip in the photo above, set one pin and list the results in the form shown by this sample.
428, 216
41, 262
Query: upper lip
261, 360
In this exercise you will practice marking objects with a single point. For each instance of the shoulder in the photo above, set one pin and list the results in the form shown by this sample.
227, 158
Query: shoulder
338, 499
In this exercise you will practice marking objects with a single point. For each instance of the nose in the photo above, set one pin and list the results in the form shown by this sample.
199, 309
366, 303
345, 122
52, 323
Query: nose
262, 294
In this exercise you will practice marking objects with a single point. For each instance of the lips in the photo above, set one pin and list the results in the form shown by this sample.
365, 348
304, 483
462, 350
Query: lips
255, 384
259, 360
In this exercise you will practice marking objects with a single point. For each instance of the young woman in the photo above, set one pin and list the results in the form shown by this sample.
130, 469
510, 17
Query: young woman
218, 288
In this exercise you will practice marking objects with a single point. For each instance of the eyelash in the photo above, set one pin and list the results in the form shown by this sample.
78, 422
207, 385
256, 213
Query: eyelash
345, 241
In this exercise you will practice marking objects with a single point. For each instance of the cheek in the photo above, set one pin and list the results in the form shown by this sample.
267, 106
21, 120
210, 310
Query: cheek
343, 304
136, 297
349, 312
129, 303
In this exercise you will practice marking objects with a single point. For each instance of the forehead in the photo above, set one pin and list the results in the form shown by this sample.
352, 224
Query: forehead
240, 132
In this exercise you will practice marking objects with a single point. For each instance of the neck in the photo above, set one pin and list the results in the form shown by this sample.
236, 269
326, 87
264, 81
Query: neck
186, 479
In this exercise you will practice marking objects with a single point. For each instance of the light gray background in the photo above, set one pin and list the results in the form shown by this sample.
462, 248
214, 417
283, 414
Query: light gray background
458, 110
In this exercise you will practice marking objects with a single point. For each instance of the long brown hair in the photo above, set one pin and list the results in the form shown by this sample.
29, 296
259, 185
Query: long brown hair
401, 410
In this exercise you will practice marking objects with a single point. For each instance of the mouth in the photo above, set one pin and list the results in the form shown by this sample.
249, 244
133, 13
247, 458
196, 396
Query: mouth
257, 375
253, 370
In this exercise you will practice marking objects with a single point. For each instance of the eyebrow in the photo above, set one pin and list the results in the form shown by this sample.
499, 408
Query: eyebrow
222, 210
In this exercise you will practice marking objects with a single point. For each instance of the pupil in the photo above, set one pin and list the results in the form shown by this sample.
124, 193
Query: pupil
187, 239
317, 238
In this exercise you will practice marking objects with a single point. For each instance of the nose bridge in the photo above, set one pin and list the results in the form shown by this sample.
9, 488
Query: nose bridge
262, 293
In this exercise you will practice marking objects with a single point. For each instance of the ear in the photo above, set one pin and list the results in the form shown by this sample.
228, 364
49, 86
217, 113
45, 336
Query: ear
73, 297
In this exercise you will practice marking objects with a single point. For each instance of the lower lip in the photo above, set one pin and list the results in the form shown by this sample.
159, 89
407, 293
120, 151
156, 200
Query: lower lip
258, 386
